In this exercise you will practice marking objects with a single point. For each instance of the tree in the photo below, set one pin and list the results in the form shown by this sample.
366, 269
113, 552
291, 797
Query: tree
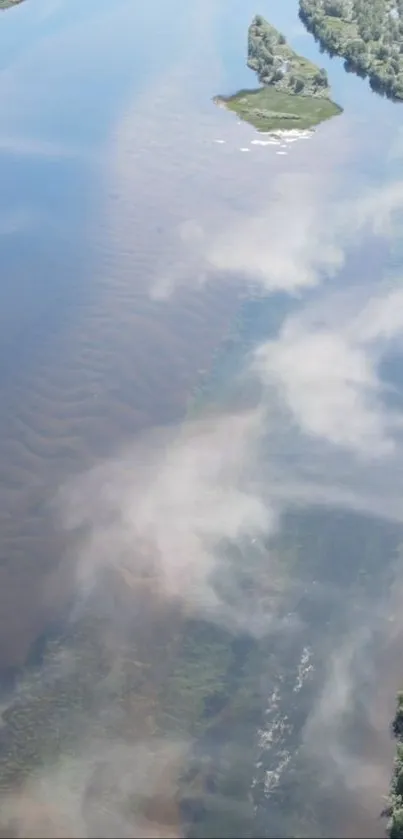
397, 724
355, 52
395, 827
395, 64
258, 20
376, 31
365, 33
395, 805
334, 8
382, 52
321, 78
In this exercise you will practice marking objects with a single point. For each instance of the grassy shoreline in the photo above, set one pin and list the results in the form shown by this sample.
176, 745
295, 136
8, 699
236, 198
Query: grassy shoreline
268, 109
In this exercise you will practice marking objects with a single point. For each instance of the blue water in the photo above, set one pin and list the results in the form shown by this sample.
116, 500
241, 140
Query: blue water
108, 166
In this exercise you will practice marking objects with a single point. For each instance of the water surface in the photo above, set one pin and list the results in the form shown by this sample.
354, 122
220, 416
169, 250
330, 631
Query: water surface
133, 243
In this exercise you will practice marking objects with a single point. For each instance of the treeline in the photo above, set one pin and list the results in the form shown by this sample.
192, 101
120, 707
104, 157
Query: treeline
368, 34
264, 53
277, 64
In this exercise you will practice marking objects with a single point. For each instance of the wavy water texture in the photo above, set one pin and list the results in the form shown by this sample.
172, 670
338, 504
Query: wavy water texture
226, 576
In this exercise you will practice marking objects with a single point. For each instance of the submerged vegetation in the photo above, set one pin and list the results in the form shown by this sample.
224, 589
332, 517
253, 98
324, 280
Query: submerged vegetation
295, 92
93, 706
369, 35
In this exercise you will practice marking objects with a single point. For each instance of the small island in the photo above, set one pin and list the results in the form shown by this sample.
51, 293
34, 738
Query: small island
295, 93
368, 34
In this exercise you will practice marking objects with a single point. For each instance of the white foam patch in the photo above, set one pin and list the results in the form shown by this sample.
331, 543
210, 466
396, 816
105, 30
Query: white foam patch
281, 152
289, 135
219, 141
271, 142
243, 149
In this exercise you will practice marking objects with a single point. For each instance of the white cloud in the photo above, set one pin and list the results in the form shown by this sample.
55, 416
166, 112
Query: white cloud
301, 235
327, 372
295, 236
165, 508
347, 730
288, 245
378, 207
380, 319
330, 388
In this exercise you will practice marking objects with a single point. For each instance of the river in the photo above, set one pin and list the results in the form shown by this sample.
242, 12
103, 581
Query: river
152, 249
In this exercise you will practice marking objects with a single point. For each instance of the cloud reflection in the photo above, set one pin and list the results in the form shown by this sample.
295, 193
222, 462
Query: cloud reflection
328, 373
161, 516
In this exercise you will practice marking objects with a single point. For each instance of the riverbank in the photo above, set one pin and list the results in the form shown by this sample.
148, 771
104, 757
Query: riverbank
370, 44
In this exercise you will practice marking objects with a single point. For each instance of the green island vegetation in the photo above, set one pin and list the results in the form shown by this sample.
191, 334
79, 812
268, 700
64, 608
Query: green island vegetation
6, 4
368, 35
295, 92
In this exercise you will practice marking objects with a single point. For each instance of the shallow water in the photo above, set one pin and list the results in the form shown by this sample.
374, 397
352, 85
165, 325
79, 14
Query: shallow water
132, 228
